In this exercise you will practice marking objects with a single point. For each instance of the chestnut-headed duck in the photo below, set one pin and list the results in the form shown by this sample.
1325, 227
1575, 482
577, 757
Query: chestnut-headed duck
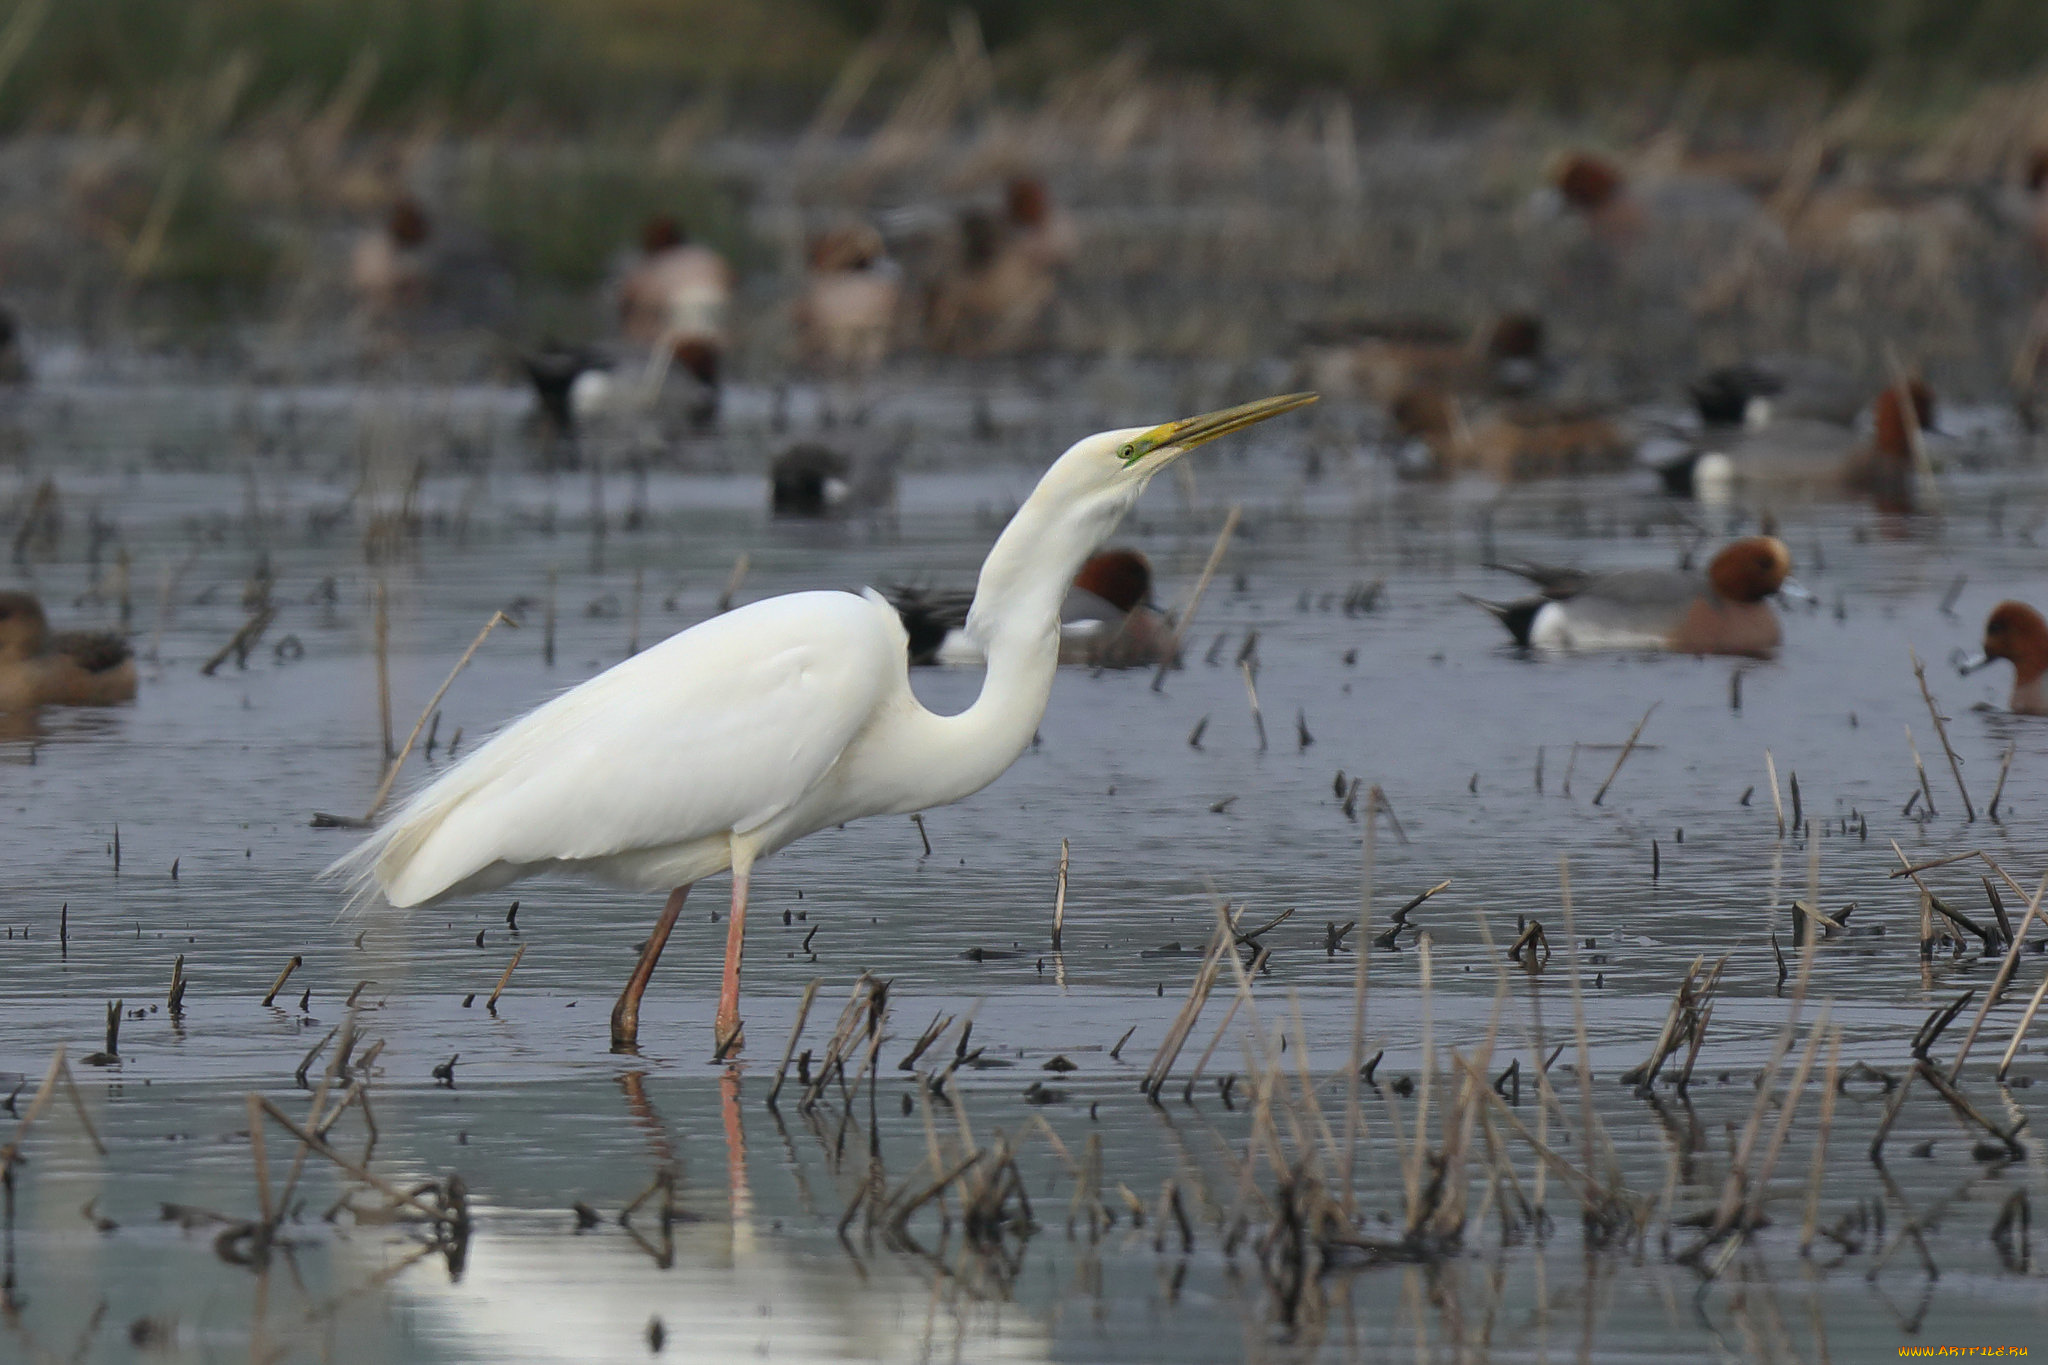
73, 668
1106, 621
1381, 360
2015, 631
996, 293
674, 300
1511, 444
1722, 611
388, 266
847, 312
1813, 458
1597, 190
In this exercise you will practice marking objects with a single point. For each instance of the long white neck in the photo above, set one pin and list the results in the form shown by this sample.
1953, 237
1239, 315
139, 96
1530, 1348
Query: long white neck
1016, 620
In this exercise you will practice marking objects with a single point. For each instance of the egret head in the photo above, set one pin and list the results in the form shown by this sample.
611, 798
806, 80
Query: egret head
1100, 476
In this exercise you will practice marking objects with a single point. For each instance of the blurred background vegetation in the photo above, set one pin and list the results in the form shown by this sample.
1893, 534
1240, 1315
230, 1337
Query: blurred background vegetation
567, 64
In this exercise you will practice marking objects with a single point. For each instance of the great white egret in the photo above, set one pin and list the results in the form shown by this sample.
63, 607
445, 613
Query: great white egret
73, 668
1721, 611
748, 731
2015, 631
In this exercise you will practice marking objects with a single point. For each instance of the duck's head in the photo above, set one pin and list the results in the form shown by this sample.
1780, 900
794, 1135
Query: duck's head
407, 222
2017, 633
663, 232
1753, 568
1027, 201
1122, 578
23, 629
1589, 182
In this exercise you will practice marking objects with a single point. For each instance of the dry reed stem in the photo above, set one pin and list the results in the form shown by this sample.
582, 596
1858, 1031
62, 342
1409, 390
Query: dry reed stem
2005, 765
1998, 982
1787, 1109
1955, 765
1626, 750
732, 584
1818, 1170
1182, 621
391, 772
351, 1168
1777, 801
260, 1159
1920, 771
2020, 1029
382, 633
282, 977
1354, 1114
1059, 901
1190, 1012
499, 989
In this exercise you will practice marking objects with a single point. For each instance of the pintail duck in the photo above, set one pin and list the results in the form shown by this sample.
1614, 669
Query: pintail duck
1722, 611
847, 311
72, 668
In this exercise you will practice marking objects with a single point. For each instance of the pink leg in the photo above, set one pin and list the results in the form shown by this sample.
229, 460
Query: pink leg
726, 1030
626, 1014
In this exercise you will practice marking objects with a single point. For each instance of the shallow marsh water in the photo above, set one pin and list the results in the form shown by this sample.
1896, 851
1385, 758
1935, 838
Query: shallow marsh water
217, 777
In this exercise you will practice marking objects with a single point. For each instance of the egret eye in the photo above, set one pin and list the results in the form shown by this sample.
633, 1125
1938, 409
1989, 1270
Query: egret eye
1128, 451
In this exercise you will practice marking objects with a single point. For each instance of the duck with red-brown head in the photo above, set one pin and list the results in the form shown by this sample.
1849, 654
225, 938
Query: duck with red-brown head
674, 301
1106, 621
389, 266
847, 311
1725, 610
1597, 190
1004, 276
2017, 633
72, 668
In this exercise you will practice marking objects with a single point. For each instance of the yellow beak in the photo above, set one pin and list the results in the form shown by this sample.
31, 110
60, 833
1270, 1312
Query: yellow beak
1180, 437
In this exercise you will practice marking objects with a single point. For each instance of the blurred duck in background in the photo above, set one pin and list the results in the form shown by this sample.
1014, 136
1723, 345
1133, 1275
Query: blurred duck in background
809, 480
70, 668
388, 266
997, 291
1383, 360
674, 301
1106, 621
846, 315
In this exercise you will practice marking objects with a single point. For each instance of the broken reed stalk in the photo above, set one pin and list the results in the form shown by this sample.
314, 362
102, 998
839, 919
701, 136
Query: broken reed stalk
382, 633
1251, 692
1920, 770
1190, 1012
732, 584
795, 1032
260, 1159
499, 989
1787, 1108
2020, 1029
60, 1070
1354, 1116
354, 1169
1626, 750
1777, 801
1181, 623
1998, 982
1059, 900
1955, 765
633, 617
2004, 767
282, 977
547, 620
391, 771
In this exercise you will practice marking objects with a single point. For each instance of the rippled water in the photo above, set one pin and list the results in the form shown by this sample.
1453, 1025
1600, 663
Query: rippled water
211, 781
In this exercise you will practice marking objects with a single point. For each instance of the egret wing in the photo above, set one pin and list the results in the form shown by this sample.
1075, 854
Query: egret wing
719, 728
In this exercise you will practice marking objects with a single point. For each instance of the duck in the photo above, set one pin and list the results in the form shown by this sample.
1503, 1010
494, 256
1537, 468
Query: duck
675, 300
1752, 394
1597, 190
1725, 610
73, 668
564, 377
388, 266
848, 307
1383, 359
2016, 632
1512, 443
1809, 457
809, 480
1005, 274
1106, 621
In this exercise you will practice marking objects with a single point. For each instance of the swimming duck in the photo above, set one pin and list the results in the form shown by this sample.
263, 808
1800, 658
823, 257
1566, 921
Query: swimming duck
1384, 359
388, 266
1598, 191
2017, 632
848, 307
1106, 621
1722, 611
1005, 274
1512, 443
675, 299
1810, 457
75, 668
811, 480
